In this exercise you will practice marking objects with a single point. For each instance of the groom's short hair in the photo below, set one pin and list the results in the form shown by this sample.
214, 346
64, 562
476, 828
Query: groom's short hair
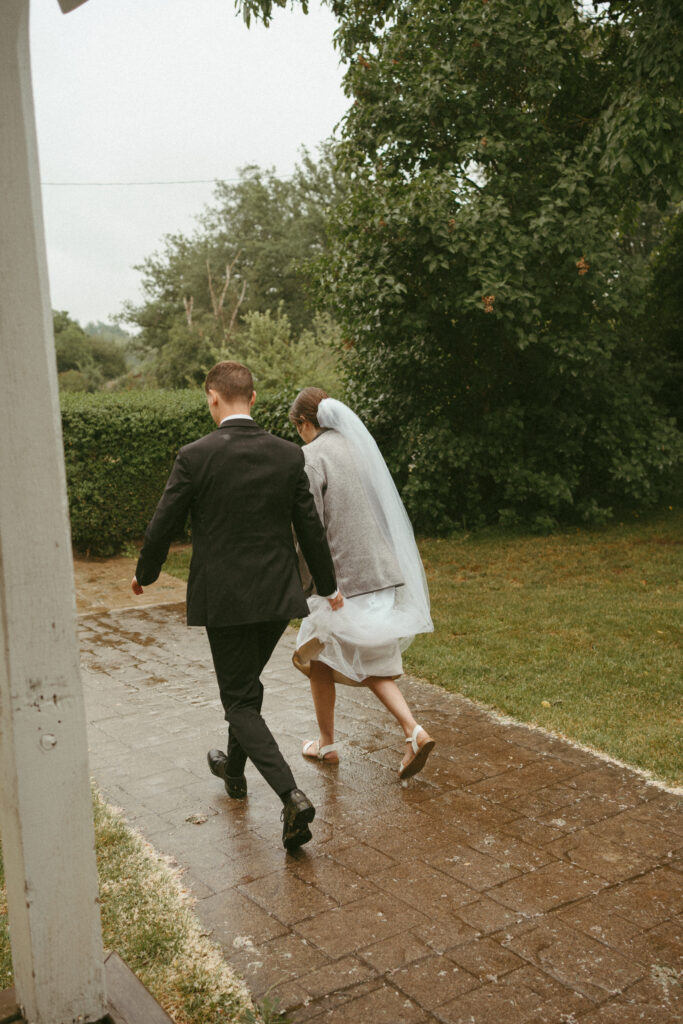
231, 380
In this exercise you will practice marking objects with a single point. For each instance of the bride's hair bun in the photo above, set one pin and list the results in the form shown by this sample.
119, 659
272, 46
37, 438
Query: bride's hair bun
305, 406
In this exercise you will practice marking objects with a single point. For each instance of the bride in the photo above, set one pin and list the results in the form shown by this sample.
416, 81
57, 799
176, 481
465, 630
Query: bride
379, 573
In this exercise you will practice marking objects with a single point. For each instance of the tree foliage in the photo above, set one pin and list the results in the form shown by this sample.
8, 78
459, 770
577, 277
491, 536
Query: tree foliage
279, 360
263, 10
499, 156
661, 325
86, 361
247, 255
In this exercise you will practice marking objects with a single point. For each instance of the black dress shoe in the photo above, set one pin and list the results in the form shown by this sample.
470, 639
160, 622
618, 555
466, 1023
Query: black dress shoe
235, 786
297, 812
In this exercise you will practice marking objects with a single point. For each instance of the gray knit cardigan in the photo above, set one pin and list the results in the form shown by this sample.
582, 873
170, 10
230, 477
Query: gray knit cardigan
363, 560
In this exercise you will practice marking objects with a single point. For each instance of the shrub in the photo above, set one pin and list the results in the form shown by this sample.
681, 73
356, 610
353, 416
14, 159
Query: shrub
119, 449
73, 380
274, 356
96, 359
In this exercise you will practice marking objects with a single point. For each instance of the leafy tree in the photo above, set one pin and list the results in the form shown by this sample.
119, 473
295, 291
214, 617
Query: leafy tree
660, 329
186, 356
262, 10
279, 361
109, 356
71, 342
498, 158
247, 255
84, 362
110, 332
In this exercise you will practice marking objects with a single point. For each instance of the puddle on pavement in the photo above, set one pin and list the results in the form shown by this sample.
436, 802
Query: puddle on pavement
125, 636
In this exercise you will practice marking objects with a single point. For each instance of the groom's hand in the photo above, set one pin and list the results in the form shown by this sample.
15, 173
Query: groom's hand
336, 602
135, 587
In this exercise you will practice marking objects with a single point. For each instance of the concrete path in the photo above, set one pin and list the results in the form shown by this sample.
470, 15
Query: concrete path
518, 879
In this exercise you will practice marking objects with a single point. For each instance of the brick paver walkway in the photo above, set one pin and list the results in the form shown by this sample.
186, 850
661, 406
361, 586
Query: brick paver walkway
518, 879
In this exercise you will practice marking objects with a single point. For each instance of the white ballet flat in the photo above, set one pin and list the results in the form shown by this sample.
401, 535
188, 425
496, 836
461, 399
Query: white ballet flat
421, 752
319, 755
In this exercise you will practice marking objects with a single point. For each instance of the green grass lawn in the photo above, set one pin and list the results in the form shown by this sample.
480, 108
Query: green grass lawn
578, 632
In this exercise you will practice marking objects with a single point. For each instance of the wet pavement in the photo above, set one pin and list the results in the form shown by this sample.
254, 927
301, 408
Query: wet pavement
517, 879
103, 584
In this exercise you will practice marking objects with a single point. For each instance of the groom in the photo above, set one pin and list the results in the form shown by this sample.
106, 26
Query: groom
244, 489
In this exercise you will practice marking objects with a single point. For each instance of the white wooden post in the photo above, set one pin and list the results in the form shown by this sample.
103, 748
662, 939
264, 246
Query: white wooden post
46, 812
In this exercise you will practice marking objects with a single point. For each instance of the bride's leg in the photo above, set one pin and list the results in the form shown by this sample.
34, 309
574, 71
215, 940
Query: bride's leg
388, 692
324, 695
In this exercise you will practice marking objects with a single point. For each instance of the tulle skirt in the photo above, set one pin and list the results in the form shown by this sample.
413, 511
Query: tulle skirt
361, 639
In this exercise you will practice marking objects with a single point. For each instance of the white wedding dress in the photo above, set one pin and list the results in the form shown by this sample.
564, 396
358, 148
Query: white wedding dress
367, 635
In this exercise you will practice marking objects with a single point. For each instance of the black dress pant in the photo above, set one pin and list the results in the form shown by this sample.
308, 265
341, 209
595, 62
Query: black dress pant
240, 653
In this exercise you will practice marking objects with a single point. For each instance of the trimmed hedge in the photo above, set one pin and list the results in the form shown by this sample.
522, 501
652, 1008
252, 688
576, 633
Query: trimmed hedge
119, 449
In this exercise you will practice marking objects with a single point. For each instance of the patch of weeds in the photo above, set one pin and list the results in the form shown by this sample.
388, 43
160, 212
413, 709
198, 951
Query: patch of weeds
5, 950
271, 1012
147, 920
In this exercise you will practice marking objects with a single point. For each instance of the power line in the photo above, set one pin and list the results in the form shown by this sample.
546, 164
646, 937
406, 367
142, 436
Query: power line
132, 184
129, 184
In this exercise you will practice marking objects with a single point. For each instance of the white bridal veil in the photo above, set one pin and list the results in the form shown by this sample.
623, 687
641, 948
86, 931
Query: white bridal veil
410, 613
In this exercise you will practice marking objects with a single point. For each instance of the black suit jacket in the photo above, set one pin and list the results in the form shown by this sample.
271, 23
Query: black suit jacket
243, 488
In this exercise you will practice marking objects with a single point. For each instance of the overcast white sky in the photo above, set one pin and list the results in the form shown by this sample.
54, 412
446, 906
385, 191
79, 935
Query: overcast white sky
162, 90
